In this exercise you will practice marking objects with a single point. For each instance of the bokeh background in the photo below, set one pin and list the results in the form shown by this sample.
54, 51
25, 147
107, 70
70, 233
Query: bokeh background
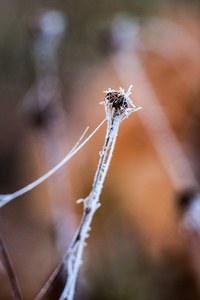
56, 59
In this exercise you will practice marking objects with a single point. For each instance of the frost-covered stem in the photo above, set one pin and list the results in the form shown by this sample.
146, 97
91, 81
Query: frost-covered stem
103, 156
117, 106
91, 204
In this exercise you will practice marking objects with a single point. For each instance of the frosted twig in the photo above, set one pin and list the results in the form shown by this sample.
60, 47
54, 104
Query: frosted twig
118, 106
4, 199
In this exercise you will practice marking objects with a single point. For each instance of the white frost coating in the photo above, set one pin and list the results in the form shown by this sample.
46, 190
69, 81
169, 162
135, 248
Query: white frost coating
129, 102
4, 199
91, 203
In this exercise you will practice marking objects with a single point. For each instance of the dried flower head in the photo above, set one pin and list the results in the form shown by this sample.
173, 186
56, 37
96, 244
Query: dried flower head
117, 102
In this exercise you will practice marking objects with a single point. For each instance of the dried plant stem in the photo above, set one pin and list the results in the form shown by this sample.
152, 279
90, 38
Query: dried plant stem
9, 269
51, 280
117, 106
91, 204
4, 199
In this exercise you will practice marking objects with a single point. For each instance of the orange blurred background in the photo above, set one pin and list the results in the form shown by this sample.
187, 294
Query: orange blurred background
56, 60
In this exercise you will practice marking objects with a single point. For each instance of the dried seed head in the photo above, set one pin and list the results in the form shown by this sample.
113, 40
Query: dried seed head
117, 102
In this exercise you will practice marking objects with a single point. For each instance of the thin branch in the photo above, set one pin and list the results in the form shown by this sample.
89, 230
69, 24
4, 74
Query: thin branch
4, 199
118, 106
9, 269
49, 284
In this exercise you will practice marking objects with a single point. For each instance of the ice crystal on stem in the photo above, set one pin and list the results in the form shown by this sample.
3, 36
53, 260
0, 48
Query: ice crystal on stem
118, 106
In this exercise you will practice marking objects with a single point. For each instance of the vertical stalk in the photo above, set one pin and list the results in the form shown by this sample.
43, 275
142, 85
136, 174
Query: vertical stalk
117, 107
91, 205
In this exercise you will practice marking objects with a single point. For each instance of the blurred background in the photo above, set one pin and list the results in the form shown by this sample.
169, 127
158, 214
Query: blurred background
56, 59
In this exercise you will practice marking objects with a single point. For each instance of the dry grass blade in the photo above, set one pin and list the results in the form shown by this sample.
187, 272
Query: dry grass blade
9, 269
